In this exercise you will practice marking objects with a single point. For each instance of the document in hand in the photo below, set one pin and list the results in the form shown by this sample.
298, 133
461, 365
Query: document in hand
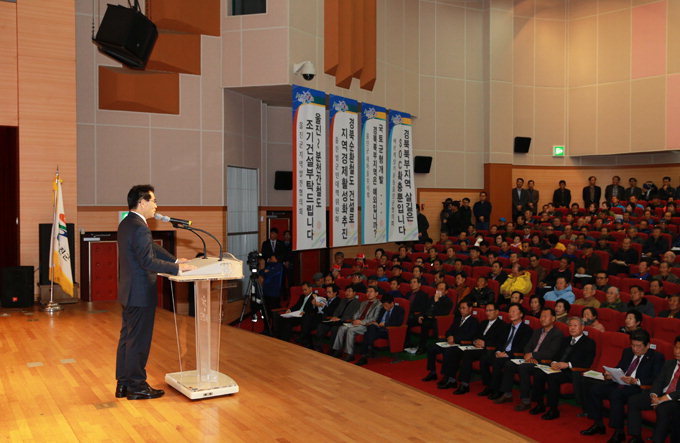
292, 314
467, 348
517, 361
444, 344
616, 374
594, 374
547, 369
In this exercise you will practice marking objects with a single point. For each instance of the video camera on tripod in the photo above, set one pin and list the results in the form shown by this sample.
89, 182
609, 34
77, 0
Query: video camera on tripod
253, 258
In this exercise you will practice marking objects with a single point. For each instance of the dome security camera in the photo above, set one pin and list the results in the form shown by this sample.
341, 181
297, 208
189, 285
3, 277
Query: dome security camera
306, 69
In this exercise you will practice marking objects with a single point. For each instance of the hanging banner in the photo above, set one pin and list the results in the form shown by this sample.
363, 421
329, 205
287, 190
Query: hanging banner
309, 168
374, 174
344, 186
402, 217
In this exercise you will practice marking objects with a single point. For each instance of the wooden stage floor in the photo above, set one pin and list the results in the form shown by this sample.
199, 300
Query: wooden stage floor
57, 384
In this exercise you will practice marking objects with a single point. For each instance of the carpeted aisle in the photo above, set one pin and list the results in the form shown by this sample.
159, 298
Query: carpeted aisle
564, 429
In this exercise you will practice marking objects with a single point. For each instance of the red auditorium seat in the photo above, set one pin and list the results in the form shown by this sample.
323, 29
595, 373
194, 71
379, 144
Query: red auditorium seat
480, 271
532, 322
404, 288
660, 304
407, 276
627, 283
342, 282
665, 329
396, 334
576, 310
429, 290
613, 344
611, 320
562, 327
663, 347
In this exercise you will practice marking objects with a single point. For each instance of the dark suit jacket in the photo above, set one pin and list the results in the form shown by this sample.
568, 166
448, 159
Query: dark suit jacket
443, 306
519, 342
581, 355
550, 346
662, 380
345, 309
139, 262
609, 190
418, 302
586, 196
396, 318
521, 199
330, 308
532, 197
465, 333
280, 250
649, 367
636, 191
495, 336
309, 307
561, 199
592, 264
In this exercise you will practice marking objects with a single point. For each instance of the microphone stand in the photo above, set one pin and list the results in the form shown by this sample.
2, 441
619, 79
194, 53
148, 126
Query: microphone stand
194, 230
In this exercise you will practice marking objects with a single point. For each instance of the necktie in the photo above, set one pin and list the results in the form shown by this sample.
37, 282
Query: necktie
567, 352
508, 344
366, 308
273, 245
386, 317
633, 366
573, 341
674, 383
540, 340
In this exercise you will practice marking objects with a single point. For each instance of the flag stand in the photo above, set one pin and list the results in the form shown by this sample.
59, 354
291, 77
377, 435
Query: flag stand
53, 306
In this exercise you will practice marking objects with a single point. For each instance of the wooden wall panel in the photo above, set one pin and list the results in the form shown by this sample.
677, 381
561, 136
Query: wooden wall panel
547, 178
8, 64
331, 20
180, 15
47, 115
369, 66
498, 181
142, 91
210, 218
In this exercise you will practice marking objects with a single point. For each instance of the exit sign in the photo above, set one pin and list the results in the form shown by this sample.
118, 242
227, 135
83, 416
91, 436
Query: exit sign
559, 151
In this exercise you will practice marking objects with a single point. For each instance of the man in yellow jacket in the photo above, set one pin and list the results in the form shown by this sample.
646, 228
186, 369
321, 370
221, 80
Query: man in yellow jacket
517, 281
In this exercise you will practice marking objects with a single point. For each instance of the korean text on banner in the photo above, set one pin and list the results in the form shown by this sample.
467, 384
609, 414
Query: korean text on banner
374, 174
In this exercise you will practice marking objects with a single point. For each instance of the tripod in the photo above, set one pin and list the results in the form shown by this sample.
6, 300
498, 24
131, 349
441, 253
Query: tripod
254, 302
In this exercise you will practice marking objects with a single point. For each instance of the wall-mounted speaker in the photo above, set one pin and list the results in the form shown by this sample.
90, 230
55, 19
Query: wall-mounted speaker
283, 180
126, 35
422, 164
522, 145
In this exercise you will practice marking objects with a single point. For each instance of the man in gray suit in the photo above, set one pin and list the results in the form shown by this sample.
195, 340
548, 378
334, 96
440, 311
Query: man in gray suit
367, 313
139, 262
542, 347
664, 397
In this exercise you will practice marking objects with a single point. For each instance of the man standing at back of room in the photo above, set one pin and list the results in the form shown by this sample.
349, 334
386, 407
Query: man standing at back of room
139, 262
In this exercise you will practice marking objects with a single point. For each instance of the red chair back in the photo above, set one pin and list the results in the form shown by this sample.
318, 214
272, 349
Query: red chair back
611, 320
665, 329
662, 346
613, 344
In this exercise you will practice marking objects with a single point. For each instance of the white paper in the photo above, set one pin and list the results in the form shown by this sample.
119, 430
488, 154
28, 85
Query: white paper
292, 314
616, 374
444, 344
517, 361
468, 348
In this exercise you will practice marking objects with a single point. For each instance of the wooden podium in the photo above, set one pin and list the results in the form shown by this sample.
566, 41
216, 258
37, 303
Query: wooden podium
206, 380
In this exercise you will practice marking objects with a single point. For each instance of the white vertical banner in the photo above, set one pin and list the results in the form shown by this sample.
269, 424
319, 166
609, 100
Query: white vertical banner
374, 174
344, 183
401, 200
309, 168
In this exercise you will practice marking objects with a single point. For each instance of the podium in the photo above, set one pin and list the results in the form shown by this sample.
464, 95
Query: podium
206, 380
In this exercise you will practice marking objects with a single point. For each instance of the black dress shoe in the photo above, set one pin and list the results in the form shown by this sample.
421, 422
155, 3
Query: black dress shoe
538, 409
594, 429
144, 393
552, 414
121, 391
349, 358
429, 377
462, 389
523, 407
618, 437
495, 395
636, 439
485, 392
421, 351
362, 361
448, 385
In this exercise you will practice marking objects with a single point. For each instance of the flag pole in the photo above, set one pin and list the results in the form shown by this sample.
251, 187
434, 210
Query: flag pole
52, 306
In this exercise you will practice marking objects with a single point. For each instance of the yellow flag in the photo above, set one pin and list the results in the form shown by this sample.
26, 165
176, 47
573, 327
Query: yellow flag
60, 261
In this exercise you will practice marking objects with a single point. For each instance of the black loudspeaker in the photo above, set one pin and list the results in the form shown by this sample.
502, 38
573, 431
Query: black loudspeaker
44, 236
126, 35
16, 287
522, 145
283, 180
422, 164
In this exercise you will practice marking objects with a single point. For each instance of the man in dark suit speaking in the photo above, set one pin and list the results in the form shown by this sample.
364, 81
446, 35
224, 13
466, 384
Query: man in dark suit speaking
139, 261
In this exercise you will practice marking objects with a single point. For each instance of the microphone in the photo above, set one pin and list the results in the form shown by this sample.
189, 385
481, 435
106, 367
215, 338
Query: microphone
165, 218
